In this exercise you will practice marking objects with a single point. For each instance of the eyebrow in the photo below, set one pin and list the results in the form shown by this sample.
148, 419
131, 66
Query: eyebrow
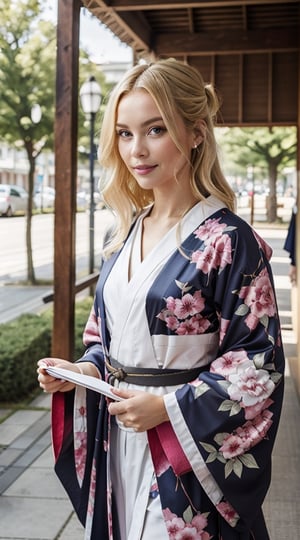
144, 124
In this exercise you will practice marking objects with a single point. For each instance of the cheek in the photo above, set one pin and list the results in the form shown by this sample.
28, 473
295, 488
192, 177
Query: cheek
122, 151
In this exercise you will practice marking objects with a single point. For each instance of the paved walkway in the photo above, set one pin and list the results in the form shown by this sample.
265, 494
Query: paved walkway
34, 506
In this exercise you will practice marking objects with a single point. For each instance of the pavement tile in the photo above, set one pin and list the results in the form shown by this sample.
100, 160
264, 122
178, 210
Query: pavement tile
24, 518
37, 483
46, 459
17, 424
8, 456
286, 525
42, 400
5, 412
73, 530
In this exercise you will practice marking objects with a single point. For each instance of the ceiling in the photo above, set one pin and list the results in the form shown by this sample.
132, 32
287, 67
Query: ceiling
195, 28
248, 48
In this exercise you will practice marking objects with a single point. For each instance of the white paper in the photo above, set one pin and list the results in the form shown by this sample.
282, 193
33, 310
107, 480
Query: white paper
98, 385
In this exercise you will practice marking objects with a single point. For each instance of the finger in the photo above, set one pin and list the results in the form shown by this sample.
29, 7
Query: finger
126, 394
45, 362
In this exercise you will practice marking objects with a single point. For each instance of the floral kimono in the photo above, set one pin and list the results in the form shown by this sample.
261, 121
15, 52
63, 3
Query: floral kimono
209, 305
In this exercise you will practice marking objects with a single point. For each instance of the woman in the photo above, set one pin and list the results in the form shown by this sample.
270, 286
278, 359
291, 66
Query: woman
185, 328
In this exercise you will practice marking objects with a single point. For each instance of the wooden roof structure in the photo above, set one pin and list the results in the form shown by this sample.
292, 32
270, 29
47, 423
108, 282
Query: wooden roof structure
249, 49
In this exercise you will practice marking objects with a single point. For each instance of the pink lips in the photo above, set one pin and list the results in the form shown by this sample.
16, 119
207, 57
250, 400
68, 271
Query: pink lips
144, 169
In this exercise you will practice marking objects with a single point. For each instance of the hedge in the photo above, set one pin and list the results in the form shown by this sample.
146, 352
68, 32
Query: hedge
25, 340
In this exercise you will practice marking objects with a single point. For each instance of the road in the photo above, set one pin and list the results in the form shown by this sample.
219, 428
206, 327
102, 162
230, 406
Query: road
13, 258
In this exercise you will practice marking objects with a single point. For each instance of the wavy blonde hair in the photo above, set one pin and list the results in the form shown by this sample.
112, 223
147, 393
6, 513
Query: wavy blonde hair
174, 86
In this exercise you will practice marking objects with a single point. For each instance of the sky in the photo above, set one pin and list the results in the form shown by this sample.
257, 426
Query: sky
101, 44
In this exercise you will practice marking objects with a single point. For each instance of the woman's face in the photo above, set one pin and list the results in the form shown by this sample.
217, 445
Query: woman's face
145, 145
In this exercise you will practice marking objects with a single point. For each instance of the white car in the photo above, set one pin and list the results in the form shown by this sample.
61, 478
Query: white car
44, 197
13, 199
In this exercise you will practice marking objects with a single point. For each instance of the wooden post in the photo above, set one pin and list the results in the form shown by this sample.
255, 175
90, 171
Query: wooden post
66, 127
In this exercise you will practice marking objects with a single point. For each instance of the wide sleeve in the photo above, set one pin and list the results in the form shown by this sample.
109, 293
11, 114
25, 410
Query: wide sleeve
226, 421
79, 432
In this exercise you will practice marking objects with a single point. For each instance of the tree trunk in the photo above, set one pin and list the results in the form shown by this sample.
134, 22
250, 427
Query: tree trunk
30, 268
272, 197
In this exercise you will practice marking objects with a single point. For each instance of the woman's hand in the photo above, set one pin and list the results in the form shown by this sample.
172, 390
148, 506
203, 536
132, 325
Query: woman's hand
49, 383
138, 410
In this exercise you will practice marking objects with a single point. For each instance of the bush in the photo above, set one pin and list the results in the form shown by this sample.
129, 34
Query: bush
22, 342
25, 340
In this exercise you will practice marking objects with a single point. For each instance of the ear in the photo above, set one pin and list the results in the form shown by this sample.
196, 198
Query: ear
199, 132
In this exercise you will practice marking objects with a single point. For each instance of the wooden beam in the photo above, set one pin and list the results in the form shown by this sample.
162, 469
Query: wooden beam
66, 124
226, 42
138, 5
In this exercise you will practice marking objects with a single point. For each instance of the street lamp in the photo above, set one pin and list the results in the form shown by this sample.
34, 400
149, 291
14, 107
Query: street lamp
90, 97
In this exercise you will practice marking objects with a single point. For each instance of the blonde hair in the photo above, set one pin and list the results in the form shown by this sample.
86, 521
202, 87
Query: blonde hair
174, 86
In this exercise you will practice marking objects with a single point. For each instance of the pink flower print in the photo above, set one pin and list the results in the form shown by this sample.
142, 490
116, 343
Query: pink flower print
182, 315
188, 305
247, 432
204, 259
223, 250
90, 509
254, 410
234, 446
250, 385
200, 522
178, 529
91, 332
171, 303
259, 297
228, 513
251, 321
228, 363
252, 432
188, 533
263, 244
224, 323
210, 228
80, 454
263, 422
174, 523
215, 254
193, 326
172, 322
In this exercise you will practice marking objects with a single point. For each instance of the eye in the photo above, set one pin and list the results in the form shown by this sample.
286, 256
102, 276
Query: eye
123, 133
156, 130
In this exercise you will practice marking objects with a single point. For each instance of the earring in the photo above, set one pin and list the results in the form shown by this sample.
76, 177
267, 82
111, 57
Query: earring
195, 145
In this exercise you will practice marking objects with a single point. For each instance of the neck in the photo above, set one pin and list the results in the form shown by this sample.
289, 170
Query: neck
172, 210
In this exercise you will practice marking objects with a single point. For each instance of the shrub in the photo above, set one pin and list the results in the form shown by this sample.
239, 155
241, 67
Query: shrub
25, 340
22, 342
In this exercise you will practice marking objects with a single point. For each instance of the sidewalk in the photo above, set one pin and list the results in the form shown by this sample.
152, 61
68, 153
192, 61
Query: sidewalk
34, 506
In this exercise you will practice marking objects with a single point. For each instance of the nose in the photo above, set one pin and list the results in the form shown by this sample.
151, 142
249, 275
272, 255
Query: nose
139, 147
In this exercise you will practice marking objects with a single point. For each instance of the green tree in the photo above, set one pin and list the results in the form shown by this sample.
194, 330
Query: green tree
27, 79
272, 148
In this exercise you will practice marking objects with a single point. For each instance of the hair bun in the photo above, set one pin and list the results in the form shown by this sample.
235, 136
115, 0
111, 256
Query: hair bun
213, 102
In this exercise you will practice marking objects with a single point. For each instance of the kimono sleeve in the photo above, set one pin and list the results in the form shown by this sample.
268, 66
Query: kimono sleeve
92, 340
76, 418
226, 420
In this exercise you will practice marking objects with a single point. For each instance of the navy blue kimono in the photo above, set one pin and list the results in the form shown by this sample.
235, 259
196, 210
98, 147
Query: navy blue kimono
213, 299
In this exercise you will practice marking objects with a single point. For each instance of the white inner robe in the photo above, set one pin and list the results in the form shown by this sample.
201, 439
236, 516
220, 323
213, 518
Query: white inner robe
131, 465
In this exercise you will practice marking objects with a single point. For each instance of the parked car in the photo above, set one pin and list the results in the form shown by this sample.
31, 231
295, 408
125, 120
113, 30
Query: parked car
12, 199
98, 201
45, 198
